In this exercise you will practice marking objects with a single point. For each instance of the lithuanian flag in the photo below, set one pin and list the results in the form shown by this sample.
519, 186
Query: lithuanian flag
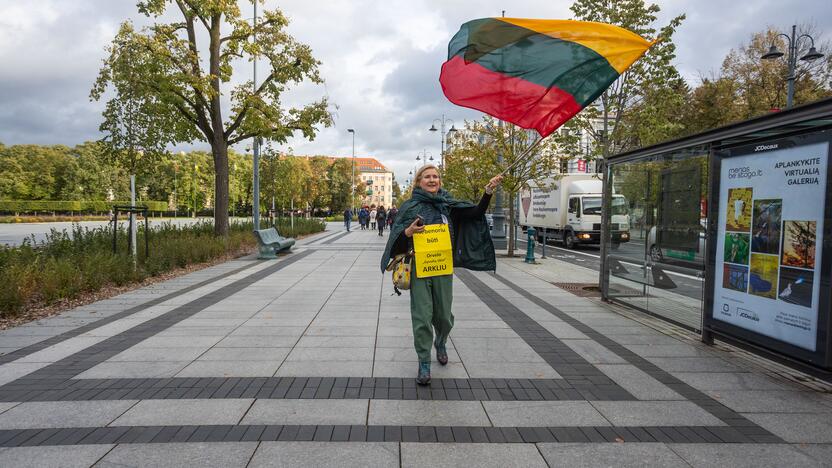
535, 73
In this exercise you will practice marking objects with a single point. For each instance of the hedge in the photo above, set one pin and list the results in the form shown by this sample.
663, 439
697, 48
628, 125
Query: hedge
27, 206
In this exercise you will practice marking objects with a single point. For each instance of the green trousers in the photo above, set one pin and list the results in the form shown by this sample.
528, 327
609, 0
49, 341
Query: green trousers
430, 309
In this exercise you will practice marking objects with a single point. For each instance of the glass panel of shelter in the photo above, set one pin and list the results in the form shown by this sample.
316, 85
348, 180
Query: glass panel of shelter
661, 269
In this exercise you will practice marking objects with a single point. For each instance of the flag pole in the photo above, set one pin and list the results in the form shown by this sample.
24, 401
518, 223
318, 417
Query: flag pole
523, 156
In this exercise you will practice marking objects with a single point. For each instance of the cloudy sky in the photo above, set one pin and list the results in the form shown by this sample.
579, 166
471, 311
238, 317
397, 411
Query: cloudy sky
381, 61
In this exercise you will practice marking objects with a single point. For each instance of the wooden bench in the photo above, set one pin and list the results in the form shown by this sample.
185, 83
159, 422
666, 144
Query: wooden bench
270, 242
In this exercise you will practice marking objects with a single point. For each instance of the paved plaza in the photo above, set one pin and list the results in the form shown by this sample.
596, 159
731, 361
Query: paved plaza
308, 361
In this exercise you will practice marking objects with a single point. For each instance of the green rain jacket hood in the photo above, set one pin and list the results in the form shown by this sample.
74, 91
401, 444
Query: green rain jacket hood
470, 237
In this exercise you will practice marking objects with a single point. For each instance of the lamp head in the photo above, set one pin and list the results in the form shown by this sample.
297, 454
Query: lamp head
432, 128
452, 130
351, 130
773, 53
812, 55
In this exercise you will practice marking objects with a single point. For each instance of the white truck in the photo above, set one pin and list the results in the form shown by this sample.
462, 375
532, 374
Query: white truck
569, 207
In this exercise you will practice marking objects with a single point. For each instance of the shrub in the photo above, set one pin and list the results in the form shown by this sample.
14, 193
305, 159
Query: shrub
68, 264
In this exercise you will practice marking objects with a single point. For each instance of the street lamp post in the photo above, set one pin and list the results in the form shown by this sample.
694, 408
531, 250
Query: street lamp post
352, 180
793, 40
423, 156
443, 136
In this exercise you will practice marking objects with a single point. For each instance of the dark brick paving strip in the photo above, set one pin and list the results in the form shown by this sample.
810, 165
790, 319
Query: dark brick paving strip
720, 411
330, 388
33, 348
577, 371
329, 433
57, 376
334, 238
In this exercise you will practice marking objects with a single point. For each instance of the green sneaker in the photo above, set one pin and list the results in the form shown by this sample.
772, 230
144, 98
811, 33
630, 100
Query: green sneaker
424, 373
441, 354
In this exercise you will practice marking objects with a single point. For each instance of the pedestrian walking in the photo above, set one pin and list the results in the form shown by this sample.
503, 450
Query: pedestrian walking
347, 218
373, 214
381, 220
391, 216
431, 297
362, 216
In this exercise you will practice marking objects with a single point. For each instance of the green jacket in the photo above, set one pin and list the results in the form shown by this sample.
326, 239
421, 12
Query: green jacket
470, 237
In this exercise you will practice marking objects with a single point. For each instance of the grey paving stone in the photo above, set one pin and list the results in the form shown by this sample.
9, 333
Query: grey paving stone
771, 401
46, 414
562, 330
6, 406
484, 332
729, 381
409, 369
326, 454
593, 352
133, 370
495, 350
331, 354
655, 413
184, 412
326, 369
638, 383
797, 427
268, 331
257, 342
81, 456
13, 371
511, 370
60, 350
241, 354
743, 455
342, 331
606, 455
427, 413
305, 412
669, 350
480, 455
821, 453
176, 455
336, 342
143, 354
694, 364
178, 342
243, 368
543, 413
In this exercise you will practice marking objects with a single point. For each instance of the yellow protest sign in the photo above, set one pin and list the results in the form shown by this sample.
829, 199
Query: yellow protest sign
433, 253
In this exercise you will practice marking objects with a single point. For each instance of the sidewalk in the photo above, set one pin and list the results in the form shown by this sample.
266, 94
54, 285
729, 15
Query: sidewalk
308, 361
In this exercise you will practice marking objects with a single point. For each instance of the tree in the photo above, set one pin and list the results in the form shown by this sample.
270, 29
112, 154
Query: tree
652, 75
339, 175
397, 192
761, 84
186, 97
473, 162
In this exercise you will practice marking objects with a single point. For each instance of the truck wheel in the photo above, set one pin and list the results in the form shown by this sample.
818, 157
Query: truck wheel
656, 254
569, 240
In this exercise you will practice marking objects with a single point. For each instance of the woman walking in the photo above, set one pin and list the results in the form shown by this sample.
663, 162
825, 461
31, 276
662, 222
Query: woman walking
373, 214
381, 220
431, 298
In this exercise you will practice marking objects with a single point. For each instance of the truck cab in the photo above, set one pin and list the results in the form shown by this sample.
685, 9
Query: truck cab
568, 207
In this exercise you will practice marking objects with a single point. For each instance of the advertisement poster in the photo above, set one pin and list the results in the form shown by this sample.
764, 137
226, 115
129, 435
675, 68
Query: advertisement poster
770, 219
432, 251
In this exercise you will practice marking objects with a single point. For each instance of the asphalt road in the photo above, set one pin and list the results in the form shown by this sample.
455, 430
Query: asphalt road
589, 256
14, 233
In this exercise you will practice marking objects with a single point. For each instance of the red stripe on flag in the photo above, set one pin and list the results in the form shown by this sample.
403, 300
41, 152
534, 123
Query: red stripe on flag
515, 100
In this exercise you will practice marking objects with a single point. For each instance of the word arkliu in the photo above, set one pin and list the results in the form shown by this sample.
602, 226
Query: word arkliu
434, 268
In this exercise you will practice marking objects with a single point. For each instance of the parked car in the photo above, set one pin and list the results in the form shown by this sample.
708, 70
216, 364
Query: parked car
659, 254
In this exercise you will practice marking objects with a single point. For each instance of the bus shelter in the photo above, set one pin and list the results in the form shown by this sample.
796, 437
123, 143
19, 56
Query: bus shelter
731, 234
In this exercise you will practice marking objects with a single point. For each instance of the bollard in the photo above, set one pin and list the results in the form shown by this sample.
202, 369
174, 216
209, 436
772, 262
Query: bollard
530, 245
543, 245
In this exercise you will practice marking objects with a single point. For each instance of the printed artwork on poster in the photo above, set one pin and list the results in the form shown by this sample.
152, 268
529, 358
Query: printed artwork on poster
762, 280
735, 277
736, 247
796, 286
799, 239
739, 209
765, 233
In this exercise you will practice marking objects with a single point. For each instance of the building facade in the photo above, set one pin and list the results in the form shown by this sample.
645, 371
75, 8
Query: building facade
378, 180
